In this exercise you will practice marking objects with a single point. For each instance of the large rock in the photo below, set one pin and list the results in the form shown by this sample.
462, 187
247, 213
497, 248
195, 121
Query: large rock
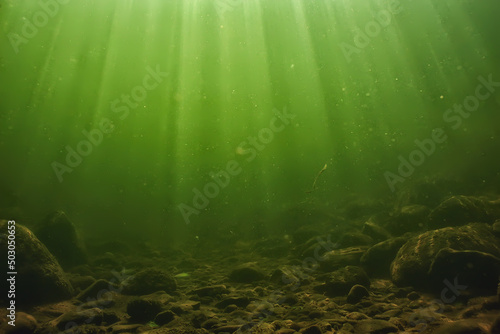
413, 260
39, 277
477, 270
460, 210
59, 235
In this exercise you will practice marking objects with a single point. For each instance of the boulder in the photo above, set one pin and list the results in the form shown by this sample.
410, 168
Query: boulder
460, 210
59, 235
414, 260
476, 270
40, 279
211, 291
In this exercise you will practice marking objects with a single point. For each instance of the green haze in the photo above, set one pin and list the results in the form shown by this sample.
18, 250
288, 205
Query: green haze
171, 90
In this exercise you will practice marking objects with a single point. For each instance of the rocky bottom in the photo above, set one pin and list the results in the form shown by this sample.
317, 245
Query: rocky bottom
242, 291
369, 267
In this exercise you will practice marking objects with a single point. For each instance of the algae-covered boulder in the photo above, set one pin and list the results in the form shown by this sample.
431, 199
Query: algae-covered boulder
39, 279
59, 235
460, 210
413, 261
477, 270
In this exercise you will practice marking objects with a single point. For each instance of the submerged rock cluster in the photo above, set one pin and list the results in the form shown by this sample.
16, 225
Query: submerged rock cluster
369, 268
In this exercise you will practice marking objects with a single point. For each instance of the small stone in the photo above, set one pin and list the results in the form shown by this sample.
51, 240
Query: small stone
468, 326
356, 316
227, 329
238, 301
357, 293
339, 258
77, 318
211, 291
165, 317
495, 328
246, 274
119, 329
289, 299
413, 295
311, 330
143, 310
25, 324
210, 323
286, 275
109, 317
375, 326
341, 281
387, 315
148, 281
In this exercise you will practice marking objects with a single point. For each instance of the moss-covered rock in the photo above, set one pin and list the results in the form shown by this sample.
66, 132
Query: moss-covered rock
413, 260
40, 279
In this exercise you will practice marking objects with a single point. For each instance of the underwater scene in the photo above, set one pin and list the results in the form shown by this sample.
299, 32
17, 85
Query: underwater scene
249, 166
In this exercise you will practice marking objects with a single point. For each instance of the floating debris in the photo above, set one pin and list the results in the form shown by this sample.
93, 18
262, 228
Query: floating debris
316, 179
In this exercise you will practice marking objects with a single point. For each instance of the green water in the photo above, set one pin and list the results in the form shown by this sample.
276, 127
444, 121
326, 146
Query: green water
171, 92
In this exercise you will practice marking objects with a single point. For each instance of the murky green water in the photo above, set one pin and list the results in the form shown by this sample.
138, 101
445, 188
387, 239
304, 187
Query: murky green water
141, 116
